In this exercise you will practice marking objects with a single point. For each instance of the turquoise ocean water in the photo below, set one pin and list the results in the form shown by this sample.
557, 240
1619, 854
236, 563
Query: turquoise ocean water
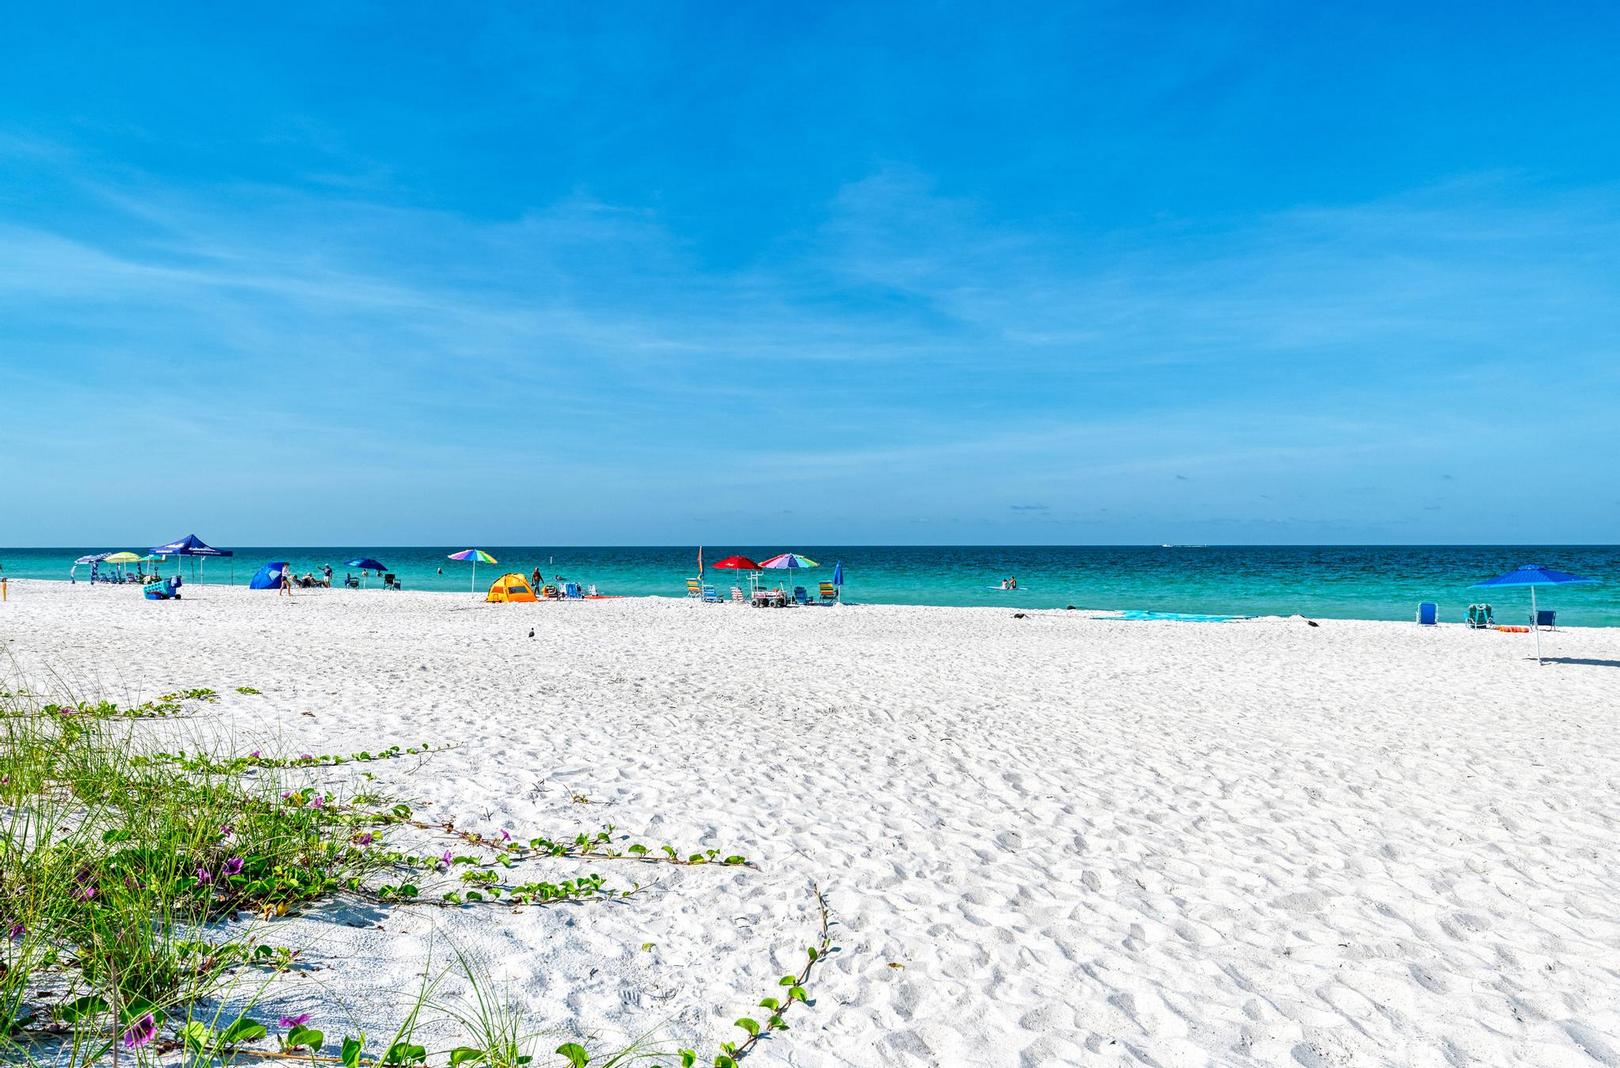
1344, 582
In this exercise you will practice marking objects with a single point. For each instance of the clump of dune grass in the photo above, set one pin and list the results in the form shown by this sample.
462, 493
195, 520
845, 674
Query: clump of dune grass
112, 865
118, 859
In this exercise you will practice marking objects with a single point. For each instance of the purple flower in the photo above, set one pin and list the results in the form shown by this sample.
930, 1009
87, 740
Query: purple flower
447, 858
363, 838
319, 801
253, 755
305, 756
140, 1032
203, 876
17, 931
290, 1022
226, 831
232, 867
505, 837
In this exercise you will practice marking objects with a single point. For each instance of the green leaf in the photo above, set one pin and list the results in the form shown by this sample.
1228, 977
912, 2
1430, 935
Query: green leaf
769, 1003
242, 1030
796, 994
688, 1058
735, 860
776, 1023
465, 1055
404, 1052
788, 980
577, 1057
350, 1054
722, 1061
302, 1037
80, 1008
749, 1025
813, 953
197, 1037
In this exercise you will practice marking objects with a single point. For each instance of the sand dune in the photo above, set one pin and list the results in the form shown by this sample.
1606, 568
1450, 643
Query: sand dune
1046, 841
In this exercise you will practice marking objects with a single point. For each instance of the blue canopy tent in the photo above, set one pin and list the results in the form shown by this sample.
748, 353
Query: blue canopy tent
1533, 575
192, 546
268, 577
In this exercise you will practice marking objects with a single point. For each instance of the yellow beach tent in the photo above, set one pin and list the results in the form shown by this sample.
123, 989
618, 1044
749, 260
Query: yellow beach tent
511, 587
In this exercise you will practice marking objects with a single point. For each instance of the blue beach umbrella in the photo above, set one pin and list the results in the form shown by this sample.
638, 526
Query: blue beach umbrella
1534, 575
838, 578
365, 563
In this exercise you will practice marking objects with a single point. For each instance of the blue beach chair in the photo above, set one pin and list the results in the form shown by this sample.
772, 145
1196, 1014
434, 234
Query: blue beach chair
710, 595
1546, 619
1428, 614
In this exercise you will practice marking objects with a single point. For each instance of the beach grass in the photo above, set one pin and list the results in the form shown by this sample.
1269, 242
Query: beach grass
113, 865
119, 861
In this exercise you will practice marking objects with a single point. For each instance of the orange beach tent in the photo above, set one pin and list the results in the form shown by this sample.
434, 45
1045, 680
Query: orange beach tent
511, 587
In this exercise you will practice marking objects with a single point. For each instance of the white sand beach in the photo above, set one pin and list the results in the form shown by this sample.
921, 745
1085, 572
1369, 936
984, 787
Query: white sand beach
1044, 841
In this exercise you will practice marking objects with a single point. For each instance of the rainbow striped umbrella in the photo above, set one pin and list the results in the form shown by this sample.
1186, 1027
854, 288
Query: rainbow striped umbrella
477, 556
788, 562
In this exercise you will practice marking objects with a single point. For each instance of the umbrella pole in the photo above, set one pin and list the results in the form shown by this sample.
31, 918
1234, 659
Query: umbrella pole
474, 587
1534, 625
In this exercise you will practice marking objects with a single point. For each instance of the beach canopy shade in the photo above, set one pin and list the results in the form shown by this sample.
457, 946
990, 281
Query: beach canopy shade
510, 588
268, 577
190, 545
366, 563
735, 563
477, 556
122, 558
93, 558
1533, 575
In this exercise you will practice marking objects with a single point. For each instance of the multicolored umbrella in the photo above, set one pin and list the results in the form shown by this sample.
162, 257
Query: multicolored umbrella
790, 561
122, 558
477, 556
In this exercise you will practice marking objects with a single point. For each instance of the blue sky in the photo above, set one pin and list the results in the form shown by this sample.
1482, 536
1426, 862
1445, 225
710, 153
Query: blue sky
846, 273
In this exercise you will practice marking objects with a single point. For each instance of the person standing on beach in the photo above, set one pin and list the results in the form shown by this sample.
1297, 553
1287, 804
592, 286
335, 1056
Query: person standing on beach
285, 585
537, 580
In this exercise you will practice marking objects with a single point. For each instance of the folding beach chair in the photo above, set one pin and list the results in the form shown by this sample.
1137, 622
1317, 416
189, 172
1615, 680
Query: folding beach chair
1428, 614
800, 595
1546, 619
1480, 617
710, 595
694, 588
737, 596
829, 593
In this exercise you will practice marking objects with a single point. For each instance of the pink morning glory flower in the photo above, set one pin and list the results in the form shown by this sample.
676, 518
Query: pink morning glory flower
140, 1032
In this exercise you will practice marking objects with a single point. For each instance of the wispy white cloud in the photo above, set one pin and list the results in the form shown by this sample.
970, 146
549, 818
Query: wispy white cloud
909, 334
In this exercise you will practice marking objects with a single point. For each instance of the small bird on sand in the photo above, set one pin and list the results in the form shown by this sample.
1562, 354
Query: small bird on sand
531, 632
